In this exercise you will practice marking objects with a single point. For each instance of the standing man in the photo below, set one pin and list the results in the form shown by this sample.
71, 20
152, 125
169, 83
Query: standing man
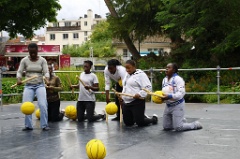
34, 65
116, 72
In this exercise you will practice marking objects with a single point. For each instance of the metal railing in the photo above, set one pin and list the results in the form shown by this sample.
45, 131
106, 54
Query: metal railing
151, 71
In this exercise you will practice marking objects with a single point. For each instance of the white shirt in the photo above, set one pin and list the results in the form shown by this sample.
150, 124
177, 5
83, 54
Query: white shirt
89, 80
119, 74
133, 84
174, 87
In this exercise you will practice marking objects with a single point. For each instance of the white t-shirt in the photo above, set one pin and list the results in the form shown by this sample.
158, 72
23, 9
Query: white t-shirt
89, 80
174, 87
119, 74
133, 84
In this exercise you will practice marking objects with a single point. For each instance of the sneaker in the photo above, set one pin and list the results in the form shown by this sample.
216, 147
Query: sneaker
116, 119
198, 125
46, 128
62, 111
27, 129
155, 119
103, 115
146, 116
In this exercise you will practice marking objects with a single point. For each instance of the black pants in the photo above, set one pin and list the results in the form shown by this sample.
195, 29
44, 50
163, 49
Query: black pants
53, 111
134, 113
118, 88
89, 106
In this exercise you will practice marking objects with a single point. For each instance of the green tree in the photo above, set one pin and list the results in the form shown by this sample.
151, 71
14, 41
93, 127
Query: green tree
25, 16
212, 27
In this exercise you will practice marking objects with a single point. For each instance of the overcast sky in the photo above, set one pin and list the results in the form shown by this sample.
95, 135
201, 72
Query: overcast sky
73, 9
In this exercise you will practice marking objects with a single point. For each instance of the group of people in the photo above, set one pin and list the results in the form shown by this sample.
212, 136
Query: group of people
133, 80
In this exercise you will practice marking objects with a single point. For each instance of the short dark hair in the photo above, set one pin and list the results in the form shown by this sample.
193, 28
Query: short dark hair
175, 67
131, 62
89, 62
113, 62
33, 45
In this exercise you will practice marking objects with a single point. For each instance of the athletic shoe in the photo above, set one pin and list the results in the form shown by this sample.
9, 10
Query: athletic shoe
198, 125
46, 128
146, 116
27, 129
155, 119
116, 119
103, 115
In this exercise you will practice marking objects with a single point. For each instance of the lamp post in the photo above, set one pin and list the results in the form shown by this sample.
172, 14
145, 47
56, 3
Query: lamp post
91, 56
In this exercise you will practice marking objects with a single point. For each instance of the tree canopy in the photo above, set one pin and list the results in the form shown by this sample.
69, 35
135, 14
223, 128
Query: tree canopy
212, 27
25, 16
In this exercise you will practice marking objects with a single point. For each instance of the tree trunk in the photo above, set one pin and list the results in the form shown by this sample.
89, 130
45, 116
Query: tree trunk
131, 47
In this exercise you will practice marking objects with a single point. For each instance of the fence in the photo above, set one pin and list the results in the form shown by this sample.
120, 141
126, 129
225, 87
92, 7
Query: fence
151, 76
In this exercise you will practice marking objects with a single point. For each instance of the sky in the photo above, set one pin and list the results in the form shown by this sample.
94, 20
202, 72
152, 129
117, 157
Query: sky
73, 9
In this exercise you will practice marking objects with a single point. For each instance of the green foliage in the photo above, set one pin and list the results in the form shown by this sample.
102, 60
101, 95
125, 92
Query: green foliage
6, 87
213, 27
25, 16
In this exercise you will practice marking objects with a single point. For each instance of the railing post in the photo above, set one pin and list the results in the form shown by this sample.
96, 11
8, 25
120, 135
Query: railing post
151, 78
1, 94
218, 83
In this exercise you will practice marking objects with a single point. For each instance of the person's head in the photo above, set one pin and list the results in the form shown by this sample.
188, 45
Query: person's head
130, 66
33, 50
87, 65
112, 64
50, 69
171, 69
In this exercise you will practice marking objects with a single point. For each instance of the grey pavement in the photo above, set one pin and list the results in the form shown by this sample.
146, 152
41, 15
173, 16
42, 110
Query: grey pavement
219, 138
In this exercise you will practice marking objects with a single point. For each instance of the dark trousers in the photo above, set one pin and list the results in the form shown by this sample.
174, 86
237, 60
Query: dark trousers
134, 113
118, 88
53, 111
89, 106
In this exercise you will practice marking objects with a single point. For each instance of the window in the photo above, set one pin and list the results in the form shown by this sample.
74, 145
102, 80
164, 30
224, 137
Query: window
125, 53
55, 24
85, 38
85, 33
85, 23
75, 45
52, 36
75, 35
155, 49
67, 23
149, 50
64, 46
65, 36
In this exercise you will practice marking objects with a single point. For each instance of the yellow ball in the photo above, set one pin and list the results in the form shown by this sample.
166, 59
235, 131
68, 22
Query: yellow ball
37, 113
71, 112
120, 82
111, 108
95, 149
157, 99
27, 108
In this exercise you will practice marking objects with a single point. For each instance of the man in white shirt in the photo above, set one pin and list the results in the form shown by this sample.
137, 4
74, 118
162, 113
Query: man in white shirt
116, 72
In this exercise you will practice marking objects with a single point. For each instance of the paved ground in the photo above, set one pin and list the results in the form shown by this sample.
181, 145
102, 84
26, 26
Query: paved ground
219, 139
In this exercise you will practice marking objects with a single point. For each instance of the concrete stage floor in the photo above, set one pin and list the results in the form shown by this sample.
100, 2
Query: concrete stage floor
219, 138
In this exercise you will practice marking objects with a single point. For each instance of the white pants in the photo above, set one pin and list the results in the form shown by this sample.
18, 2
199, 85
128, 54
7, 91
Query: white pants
173, 118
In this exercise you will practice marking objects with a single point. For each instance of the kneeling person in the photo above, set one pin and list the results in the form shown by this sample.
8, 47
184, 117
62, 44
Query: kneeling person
134, 108
86, 98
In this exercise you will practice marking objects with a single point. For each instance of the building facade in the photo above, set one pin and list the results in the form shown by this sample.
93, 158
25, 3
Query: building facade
71, 32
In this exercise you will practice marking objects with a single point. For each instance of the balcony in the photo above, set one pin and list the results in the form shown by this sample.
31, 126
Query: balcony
64, 28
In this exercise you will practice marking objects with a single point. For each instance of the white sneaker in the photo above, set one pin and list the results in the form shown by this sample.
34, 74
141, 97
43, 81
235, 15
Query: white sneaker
198, 125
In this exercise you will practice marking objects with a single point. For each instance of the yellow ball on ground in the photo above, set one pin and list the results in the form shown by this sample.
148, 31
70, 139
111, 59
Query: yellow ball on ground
157, 99
37, 113
120, 82
111, 108
27, 108
71, 112
95, 149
